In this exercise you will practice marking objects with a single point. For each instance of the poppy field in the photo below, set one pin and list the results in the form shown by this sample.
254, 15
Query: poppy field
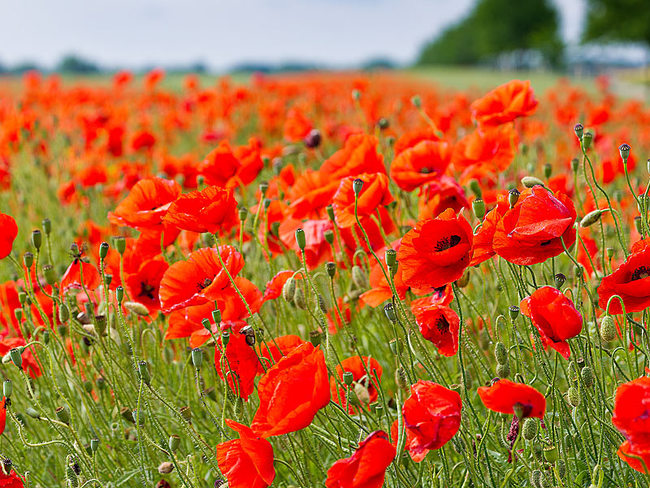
339, 280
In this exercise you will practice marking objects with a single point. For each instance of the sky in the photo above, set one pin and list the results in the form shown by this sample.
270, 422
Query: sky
223, 33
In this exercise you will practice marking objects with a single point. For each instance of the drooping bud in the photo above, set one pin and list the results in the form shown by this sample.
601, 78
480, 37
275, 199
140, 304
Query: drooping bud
531, 181
359, 278
591, 218
174, 442
503, 370
299, 299
16, 355
137, 308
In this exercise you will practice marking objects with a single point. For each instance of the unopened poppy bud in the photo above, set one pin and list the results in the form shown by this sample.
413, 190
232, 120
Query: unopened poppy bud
357, 185
300, 300
7, 388
289, 290
197, 357
18, 313
362, 393
383, 123
587, 138
120, 244
513, 196
119, 294
503, 370
37, 239
531, 181
548, 170
64, 313
94, 445
573, 395
137, 308
264, 186
315, 337
63, 414
225, 338
513, 311
416, 101
28, 259
16, 355
400, 378
607, 329
391, 257
475, 188
329, 236
500, 353
32, 413
300, 239
559, 279
313, 139
331, 269
591, 218
550, 454
587, 376
624, 150
463, 281
579, 130
74, 249
348, 378
478, 207
47, 226
529, 429
166, 467
389, 310
143, 371
186, 413
359, 278
330, 212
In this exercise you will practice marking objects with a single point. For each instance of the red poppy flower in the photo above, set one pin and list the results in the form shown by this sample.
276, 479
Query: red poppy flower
630, 281
438, 324
484, 238
425, 162
11, 480
220, 165
534, 229
631, 407
199, 279
3, 415
9, 233
29, 361
274, 287
631, 453
436, 251
439, 195
365, 373
554, 316
359, 155
431, 416
146, 204
246, 462
240, 364
211, 210
504, 396
80, 273
487, 149
505, 103
143, 285
277, 348
291, 392
374, 194
366, 468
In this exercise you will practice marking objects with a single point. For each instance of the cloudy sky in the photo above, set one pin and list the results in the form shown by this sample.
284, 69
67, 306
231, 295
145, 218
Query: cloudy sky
222, 33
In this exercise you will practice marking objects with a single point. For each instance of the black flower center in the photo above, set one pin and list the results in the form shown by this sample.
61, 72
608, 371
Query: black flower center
147, 290
640, 273
442, 324
447, 243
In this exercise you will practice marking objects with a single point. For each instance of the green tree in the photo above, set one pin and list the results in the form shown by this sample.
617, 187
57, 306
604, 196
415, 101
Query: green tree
75, 64
496, 26
618, 20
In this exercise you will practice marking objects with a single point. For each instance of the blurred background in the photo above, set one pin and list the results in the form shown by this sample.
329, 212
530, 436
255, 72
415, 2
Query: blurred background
452, 41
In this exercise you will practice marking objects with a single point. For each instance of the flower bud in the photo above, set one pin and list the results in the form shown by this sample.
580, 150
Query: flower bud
321, 303
503, 370
548, 170
137, 308
197, 357
624, 150
478, 207
300, 239
587, 376
513, 196
529, 429
573, 395
579, 130
362, 393
607, 329
32, 413
63, 414
531, 181
28, 259
143, 371
500, 353
37, 239
119, 294
315, 337
289, 290
357, 185
166, 467
559, 279
313, 139
591, 218
359, 278
348, 378
300, 300
400, 378
7, 388
47, 226
16, 357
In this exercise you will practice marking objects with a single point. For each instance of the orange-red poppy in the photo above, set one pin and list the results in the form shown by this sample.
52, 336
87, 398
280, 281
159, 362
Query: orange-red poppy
213, 210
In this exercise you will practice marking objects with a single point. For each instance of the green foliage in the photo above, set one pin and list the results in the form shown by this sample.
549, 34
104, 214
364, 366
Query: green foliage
496, 26
620, 20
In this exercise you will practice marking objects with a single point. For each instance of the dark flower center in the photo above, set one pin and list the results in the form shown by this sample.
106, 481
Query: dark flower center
447, 243
147, 290
426, 171
205, 283
442, 324
545, 243
640, 273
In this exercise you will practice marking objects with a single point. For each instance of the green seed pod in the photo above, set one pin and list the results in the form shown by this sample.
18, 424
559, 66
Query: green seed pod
624, 151
32, 413
119, 294
49, 274
143, 371
503, 370
416, 101
573, 396
389, 310
16, 355
587, 138
243, 214
638, 224
197, 357
300, 300
548, 170
391, 257
348, 378
579, 130
359, 278
7, 388
357, 185
315, 337
28, 259
587, 376
120, 244
174, 442
513, 196
529, 429
103, 250
476, 189
329, 236
301, 239
550, 454
330, 267
513, 311
186, 413
225, 338
591, 218
531, 181
37, 239
607, 329
94, 445
575, 164
216, 316
330, 213
289, 290
63, 414
18, 313
47, 226
500, 353
478, 207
